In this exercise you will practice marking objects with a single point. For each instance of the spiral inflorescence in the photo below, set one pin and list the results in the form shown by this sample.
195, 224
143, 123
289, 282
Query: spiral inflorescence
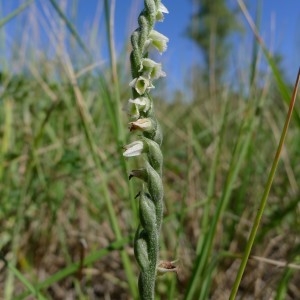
141, 109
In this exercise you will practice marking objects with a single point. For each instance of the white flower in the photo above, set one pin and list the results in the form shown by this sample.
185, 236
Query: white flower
135, 106
133, 149
143, 103
151, 69
132, 109
158, 41
141, 84
144, 124
160, 13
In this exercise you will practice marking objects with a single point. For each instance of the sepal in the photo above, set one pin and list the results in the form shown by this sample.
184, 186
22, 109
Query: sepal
160, 12
141, 249
147, 213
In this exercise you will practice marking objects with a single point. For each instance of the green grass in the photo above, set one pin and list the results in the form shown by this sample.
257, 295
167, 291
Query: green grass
63, 180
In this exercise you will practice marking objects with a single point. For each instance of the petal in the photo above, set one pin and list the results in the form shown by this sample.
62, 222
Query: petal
160, 12
157, 72
147, 62
142, 103
133, 149
162, 8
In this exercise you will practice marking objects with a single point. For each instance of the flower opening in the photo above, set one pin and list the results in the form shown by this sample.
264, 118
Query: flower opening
141, 84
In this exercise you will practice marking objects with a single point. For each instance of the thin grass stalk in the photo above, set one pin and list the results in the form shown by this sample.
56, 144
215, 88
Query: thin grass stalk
255, 47
212, 177
33, 289
70, 27
73, 16
15, 13
282, 87
211, 270
3, 45
115, 106
21, 204
281, 291
7, 133
93, 41
109, 13
265, 195
183, 204
85, 120
33, 162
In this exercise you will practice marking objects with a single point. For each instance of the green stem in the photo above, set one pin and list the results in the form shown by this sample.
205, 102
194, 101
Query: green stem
15, 13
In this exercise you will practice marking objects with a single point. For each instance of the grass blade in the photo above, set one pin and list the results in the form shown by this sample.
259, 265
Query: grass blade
31, 288
15, 13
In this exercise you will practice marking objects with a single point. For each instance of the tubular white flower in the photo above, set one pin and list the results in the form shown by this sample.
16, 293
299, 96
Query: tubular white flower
133, 149
134, 107
160, 13
132, 110
141, 124
151, 69
158, 41
141, 84
142, 103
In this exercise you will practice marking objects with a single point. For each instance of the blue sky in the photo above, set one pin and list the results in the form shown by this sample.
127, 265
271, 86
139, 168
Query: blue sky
280, 20
279, 23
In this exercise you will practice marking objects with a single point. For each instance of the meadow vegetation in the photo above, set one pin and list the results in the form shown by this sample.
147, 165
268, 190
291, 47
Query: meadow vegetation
67, 210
